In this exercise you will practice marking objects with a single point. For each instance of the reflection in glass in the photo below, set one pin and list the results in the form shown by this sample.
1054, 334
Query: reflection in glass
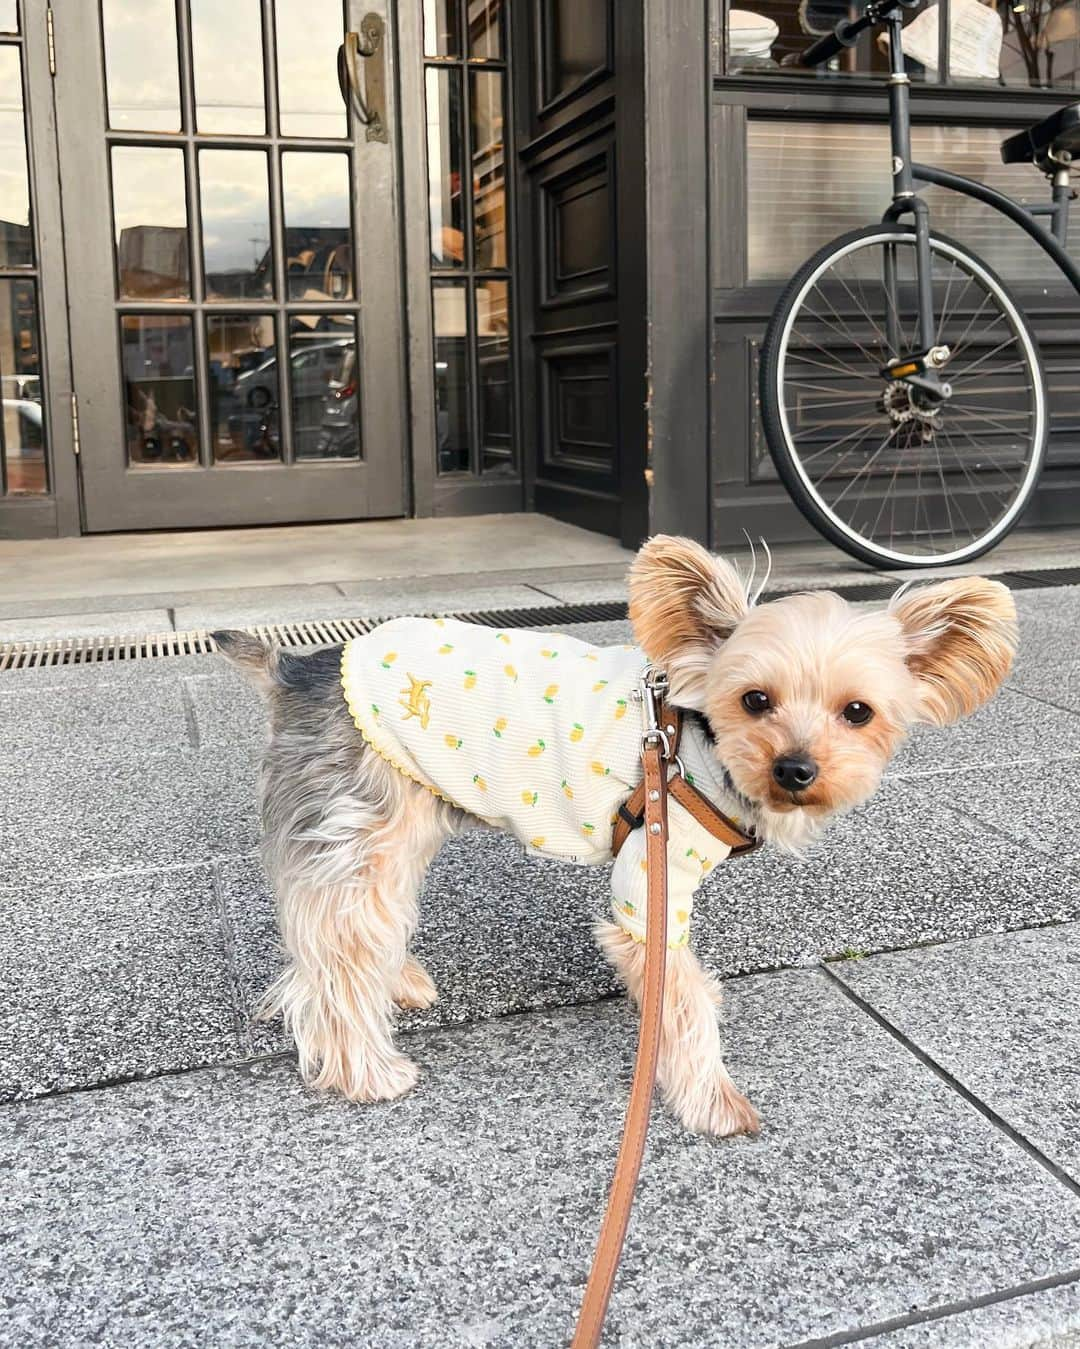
486, 30
309, 33
22, 431
16, 243
9, 16
448, 300
226, 44
244, 396
441, 28
141, 71
318, 239
444, 167
237, 256
489, 170
324, 374
1040, 43
158, 365
494, 378
150, 220
577, 42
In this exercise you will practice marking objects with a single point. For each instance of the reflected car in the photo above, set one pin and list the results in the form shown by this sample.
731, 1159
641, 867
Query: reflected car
339, 431
312, 369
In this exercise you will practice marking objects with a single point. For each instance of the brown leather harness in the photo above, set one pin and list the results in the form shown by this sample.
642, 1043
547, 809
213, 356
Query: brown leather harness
648, 808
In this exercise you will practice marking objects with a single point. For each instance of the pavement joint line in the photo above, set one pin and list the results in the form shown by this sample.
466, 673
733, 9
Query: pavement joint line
954, 1084
78, 878
191, 717
1038, 698
906, 775
241, 1021
941, 1312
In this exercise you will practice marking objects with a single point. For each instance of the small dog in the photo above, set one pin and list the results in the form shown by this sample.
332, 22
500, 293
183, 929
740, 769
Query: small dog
794, 709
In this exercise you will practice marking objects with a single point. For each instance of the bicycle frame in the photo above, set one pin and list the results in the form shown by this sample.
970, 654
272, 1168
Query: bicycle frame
906, 200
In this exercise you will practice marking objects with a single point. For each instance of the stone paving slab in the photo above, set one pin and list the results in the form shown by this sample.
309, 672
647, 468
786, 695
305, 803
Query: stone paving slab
1012, 729
119, 604
93, 814
72, 623
1000, 1015
92, 717
1055, 682
1048, 1319
233, 1206
113, 978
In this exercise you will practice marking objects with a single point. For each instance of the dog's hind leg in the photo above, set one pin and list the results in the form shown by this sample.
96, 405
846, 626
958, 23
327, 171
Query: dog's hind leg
347, 869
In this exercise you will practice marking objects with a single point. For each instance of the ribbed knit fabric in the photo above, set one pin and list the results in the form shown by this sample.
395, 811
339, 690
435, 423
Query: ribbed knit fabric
535, 733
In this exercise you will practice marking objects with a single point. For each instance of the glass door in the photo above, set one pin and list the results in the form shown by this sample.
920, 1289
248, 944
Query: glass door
232, 237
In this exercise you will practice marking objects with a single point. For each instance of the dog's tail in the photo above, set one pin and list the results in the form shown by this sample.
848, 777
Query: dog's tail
257, 660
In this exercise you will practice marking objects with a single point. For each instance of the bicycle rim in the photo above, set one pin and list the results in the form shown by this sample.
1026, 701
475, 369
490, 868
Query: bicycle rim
881, 472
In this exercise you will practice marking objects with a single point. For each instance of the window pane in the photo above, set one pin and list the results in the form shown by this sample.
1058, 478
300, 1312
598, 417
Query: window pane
150, 218
1041, 44
244, 397
324, 373
318, 239
495, 378
451, 376
141, 71
809, 181
771, 38
489, 169
16, 241
158, 365
486, 30
226, 43
9, 16
22, 435
237, 256
445, 202
575, 43
441, 28
309, 33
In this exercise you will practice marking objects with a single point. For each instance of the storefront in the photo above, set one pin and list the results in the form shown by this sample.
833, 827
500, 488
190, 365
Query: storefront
528, 268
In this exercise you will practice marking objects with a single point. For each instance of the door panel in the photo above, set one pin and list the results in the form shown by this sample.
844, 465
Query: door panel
234, 261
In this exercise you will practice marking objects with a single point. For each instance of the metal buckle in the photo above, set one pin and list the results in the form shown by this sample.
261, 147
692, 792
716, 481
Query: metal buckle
654, 684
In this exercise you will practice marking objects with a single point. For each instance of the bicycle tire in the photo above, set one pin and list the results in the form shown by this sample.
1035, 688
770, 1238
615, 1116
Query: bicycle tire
774, 424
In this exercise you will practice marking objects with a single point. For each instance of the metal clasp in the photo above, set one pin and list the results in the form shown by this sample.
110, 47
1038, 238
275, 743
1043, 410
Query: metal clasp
654, 684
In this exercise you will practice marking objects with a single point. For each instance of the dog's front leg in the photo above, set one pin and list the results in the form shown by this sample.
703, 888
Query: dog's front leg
691, 1072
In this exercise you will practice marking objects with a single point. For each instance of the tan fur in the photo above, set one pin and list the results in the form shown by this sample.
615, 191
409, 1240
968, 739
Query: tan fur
348, 839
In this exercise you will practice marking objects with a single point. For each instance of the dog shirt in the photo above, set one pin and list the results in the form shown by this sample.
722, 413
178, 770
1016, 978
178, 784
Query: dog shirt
537, 734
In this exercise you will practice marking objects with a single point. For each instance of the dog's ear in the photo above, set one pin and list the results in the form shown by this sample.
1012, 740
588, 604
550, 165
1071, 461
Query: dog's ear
684, 603
961, 639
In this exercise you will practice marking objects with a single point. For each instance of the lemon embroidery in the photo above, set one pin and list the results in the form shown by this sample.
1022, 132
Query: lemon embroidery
479, 783
416, 700
445, 649
529, 798
590, 655
703, 862
548, 655
620, 709
375, 709
499, 727
629, 907
568, 791
502, 637
681, 916
537, 842
550, 692
577, 732
534, 751
388, 659
510, 672
440, 622
599, 769
452, 742
588, 830
470, 679
643, 865
600, 684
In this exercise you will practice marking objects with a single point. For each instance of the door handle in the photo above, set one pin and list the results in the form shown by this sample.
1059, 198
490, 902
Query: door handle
368, 96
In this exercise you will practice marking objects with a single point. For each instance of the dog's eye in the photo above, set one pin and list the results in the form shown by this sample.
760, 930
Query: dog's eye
857, 713
756, 701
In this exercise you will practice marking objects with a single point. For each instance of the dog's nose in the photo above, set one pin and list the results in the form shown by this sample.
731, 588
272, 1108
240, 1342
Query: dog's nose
795, 772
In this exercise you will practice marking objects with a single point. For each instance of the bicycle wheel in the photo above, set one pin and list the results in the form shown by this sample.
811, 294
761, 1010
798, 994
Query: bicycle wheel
894, 478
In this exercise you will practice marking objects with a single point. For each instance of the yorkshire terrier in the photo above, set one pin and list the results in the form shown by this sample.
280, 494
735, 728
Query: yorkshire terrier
382, 749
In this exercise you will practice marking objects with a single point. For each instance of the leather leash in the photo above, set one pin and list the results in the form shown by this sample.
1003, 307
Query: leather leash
648, 805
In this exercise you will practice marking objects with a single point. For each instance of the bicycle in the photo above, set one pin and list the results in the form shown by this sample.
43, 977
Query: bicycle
902, 393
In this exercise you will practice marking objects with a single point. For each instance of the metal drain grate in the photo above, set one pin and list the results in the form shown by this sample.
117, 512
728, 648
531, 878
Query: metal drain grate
319, 632
328, 632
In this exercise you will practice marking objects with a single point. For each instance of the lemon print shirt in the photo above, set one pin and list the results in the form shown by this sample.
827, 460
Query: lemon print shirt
535, 733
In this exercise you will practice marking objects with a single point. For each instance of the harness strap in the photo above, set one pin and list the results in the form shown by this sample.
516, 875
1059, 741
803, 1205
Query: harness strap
632, 812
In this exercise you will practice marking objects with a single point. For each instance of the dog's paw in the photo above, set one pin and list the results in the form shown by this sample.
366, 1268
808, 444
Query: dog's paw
384, 1080
716, 1107
415, 986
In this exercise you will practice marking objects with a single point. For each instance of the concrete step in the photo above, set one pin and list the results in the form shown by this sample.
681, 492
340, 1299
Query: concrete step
136, 930
883, 1200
